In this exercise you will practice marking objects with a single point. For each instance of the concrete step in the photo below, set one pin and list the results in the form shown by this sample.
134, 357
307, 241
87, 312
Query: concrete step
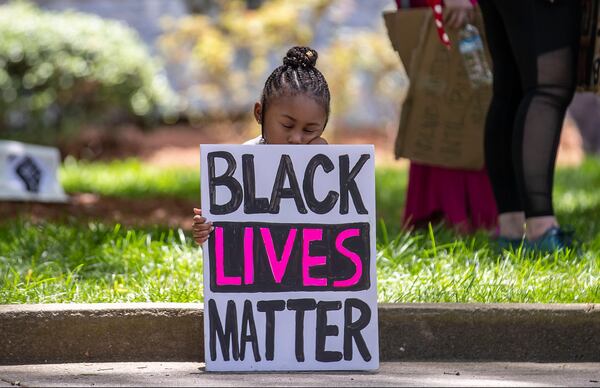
128, 332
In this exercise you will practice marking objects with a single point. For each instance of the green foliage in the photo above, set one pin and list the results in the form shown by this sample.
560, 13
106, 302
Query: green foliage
232, 51
61, 70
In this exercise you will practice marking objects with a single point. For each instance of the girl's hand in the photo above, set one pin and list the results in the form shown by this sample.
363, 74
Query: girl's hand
458, 13
201, 229
318, 140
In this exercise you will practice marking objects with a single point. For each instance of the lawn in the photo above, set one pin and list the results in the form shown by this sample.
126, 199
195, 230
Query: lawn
91, 262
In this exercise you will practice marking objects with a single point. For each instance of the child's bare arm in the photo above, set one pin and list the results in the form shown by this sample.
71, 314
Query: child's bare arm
201, 229
318, 140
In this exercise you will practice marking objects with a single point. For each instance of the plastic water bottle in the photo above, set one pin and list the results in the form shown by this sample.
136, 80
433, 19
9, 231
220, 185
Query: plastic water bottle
471, 47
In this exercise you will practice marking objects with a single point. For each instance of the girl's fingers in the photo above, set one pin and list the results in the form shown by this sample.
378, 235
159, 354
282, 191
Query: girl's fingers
318, 140
200, 241
201, 232
202, 223
206, 226
201, 228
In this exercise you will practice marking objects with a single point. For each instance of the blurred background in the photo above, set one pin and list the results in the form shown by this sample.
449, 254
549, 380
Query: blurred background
94, 76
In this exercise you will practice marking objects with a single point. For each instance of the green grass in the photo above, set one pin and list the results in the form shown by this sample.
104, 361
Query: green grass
73, 262
390, 191
49, 263
437, 266
129, 178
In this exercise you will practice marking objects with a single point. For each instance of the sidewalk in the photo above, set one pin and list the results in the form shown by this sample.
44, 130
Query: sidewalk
496, 374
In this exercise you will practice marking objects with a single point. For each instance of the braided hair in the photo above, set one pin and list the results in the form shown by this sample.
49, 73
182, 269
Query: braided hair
297, 75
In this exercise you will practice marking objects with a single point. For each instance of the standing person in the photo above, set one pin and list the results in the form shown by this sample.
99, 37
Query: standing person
534, 45
460, 198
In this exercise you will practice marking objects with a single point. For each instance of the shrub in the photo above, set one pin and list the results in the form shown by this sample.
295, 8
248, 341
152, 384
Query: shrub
61, 70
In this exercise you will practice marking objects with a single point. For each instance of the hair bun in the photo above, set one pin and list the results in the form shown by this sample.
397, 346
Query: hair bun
300, 57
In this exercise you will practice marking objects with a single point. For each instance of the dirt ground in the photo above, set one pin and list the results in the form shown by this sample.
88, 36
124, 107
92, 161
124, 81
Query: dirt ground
169, 212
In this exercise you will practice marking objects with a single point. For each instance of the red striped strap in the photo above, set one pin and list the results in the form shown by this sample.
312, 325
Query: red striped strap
436, 6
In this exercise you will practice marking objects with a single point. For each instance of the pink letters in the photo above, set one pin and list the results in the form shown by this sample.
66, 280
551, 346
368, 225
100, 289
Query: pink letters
254, 263
223, 280
248, 255
351, 255
278, 267
309, 261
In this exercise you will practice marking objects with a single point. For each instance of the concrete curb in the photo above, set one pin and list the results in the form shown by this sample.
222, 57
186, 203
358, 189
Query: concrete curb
58, 333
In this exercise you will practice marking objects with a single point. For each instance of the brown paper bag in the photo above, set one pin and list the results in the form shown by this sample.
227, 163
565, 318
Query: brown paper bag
442, 121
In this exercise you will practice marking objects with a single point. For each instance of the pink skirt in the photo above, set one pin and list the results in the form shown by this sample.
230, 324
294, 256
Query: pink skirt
462, 199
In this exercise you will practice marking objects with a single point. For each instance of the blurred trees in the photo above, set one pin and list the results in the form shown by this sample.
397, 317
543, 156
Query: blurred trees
61, 70
231, 49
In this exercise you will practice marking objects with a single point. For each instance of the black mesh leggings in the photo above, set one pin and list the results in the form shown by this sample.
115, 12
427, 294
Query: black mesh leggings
533, 44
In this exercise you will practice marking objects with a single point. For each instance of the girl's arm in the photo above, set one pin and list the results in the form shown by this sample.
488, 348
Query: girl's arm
201, 229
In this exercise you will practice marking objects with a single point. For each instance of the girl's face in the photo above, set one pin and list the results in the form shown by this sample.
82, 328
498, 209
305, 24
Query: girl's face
296, 119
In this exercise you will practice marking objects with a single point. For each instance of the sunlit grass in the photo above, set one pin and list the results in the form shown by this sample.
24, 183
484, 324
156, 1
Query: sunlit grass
45, 263
50, 263
129, 178
438, 266
71, 262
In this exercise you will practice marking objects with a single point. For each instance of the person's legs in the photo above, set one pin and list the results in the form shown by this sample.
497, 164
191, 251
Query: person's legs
499, 127
547, 94
543, 37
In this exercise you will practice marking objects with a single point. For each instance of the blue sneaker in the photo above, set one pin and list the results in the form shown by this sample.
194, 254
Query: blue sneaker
509, 244
553, 240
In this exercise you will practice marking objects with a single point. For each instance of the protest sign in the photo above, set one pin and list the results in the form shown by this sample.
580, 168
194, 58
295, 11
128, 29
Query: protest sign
443, 117
289, 270
29, 173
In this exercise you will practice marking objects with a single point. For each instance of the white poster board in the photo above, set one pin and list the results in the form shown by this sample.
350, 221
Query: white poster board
289, 271
29, 173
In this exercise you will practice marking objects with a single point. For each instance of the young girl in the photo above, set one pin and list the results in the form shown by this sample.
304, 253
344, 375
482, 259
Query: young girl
294, 109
